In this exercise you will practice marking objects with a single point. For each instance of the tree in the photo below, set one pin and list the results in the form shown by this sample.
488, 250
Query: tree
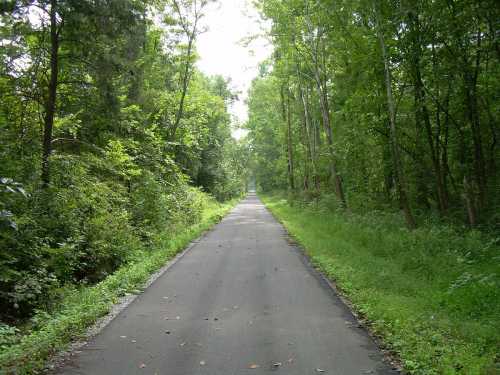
391, 102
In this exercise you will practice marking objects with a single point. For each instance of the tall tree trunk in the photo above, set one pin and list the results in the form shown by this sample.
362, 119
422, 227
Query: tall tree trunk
324, 105
285, 112
50, 102
470, 82
304, 140
398, 169
291, 171
325, 113
309, 141
422, 118
469, 202
185, 84
190, 28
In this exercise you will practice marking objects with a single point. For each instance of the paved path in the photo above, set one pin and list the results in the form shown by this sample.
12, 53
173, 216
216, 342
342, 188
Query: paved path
242, 297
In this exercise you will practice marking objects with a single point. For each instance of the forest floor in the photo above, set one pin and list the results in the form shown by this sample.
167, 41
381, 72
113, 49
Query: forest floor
242, 300
431, 294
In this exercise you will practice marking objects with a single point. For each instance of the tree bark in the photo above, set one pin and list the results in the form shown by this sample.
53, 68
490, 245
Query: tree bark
291, 171
50, 102
399, 173
422, 117
285, 107
470, 83
185, 84
325, 113
324, 105
191, 33
309, 141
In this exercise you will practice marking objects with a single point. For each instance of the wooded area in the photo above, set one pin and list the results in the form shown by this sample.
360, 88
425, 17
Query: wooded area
374, 130
385, 104
372, 133
109, 133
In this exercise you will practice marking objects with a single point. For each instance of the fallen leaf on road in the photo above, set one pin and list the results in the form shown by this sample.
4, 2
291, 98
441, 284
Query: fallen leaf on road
253, 366
142, 365
202, 363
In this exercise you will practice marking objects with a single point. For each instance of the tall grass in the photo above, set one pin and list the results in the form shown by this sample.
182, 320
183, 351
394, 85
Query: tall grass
433, 294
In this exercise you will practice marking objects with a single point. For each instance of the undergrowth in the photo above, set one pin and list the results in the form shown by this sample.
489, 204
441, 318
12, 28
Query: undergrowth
49, 332
432, 295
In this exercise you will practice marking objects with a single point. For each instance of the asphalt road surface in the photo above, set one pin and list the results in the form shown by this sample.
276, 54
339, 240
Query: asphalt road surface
241, 301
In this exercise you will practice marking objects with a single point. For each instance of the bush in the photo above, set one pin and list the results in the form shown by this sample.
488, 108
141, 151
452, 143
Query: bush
82, 227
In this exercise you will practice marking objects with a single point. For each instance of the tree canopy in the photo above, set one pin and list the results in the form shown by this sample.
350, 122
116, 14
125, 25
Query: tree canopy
385, 104
106, 127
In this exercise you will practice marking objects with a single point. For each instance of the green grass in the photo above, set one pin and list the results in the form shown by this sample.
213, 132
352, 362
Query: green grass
432, 295
81, 308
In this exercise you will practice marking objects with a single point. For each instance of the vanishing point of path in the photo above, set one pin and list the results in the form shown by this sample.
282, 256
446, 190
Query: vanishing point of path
241, 301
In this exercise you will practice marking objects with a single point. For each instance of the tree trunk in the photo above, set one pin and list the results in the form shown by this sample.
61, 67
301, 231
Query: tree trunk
422, 118
309, 141
50, 102
473, 119
469, 203
399, 173
290, 146
325, 113
285, 113
185, 84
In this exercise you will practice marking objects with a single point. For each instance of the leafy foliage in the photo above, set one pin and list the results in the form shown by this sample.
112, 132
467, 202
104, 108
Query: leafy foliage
110, 139
386, 104
369, 109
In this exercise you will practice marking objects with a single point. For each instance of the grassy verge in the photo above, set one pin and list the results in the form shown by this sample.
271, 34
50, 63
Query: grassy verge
84, 306
432, 295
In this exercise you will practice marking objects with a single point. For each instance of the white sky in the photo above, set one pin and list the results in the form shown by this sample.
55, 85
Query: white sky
222, 52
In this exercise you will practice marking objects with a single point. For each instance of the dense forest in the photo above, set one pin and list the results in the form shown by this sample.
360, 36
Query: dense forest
372, 134
384, 104
109, 136
374, 130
